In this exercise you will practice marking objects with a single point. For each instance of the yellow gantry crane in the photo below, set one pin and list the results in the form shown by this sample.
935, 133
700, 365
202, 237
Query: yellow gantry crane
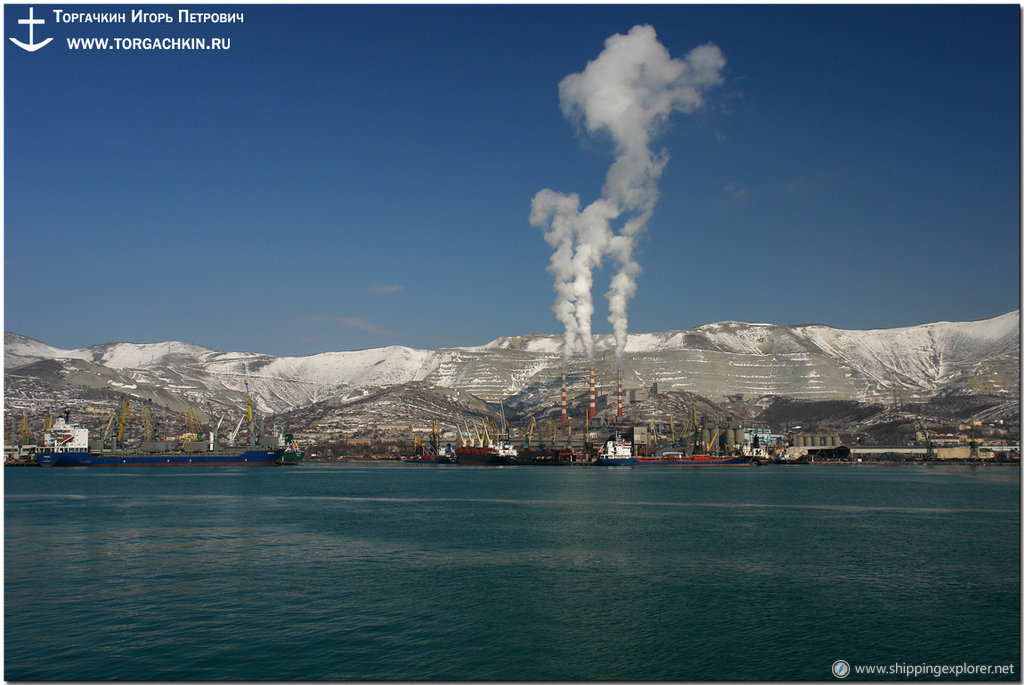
491, 432
26, 432
548, 433
192, 424
126, 413
110, 422
254, 428
529, 433
435, 436
713, 442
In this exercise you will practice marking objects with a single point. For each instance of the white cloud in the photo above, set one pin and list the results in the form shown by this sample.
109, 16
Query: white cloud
386, 289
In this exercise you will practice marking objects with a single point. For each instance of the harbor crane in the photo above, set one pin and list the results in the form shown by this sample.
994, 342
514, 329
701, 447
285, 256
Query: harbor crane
234, 433
126, 413
974, 443
110, 422
216, 431
467, 438
693, 425
927, 439
26, 432
548, 433
529, 433
192, 424
254, 427
435, 436
147, 424
491, 431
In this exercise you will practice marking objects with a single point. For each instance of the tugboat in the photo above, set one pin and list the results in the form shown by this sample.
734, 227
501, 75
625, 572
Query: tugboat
291, 454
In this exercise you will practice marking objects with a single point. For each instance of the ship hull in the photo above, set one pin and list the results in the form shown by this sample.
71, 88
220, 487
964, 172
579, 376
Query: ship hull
694, 460
290, 458
544, 458
240, 458
481, 456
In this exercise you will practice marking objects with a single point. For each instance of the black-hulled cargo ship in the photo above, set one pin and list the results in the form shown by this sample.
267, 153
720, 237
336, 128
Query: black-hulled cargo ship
538, 456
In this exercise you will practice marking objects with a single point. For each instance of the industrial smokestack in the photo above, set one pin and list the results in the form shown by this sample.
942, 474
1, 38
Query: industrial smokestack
619, 413
593, 396
564, 410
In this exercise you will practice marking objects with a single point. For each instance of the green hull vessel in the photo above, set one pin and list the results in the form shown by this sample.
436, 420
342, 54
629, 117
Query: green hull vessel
289, 457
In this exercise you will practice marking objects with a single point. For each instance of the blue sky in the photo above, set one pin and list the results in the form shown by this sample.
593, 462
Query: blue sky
346, 177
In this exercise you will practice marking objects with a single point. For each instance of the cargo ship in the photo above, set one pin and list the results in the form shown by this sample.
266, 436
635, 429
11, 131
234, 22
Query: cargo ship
618, 452
68, 444
615, 452
543, 457
501, 453
676, 457
429, 454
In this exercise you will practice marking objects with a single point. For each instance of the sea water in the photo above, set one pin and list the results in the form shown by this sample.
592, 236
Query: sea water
445, 572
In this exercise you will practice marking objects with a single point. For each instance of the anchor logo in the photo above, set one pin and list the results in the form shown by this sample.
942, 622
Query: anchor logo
32, 45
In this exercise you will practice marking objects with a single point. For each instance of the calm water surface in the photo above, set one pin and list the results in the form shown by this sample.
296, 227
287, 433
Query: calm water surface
414, 572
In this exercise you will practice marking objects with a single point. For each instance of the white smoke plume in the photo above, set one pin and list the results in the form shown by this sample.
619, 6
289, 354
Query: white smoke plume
628, 93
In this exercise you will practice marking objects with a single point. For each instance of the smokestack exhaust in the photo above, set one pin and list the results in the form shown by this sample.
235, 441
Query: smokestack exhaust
628, 92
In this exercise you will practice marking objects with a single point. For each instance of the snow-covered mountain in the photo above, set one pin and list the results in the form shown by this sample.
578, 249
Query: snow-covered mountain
715, 361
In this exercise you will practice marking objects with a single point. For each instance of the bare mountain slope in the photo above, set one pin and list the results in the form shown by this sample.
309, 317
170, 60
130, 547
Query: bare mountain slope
716, 361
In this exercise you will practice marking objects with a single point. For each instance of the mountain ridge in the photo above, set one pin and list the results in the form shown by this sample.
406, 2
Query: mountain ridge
716, 360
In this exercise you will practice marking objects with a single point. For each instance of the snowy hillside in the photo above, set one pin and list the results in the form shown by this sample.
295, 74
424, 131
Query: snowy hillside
715, 361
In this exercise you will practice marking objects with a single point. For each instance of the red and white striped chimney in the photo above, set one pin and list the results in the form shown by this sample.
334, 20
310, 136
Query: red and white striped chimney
563, 401
620, 394
593, 395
